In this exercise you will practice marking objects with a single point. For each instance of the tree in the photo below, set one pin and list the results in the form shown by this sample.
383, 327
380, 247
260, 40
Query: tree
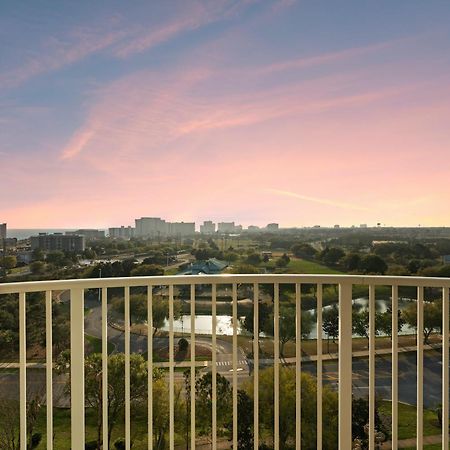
351, 262
384, 322
160, 411
138, 309
203, 389
287, 326
360, 419
183, 345
10, 424
56, 258
245, 268
330, 322
253, 259
9, 262
245, 421
303, 250
360, 323
147, 270
332, 255
287, 408
432, 317
37, 267
373, 264
38, 255
265, 320
283, 261
116, 387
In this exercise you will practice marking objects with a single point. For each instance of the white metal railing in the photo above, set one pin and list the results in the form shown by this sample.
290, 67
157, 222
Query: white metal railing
345, 283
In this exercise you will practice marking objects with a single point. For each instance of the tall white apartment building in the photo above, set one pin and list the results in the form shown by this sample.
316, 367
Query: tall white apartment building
226, 227
181, 228
2, 230
208, 227
151, 227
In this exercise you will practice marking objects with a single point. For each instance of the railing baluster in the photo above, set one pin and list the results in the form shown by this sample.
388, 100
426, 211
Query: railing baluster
372, 367
298, 367
235, 346
77, 398
49, 367
445, 369
105, 367
345, 366
77, 362
420, 296
127, 370
193, 366
276, 345
319, 365
150, 366
394, 307
171, 373
214, 366
256, 366
23, 370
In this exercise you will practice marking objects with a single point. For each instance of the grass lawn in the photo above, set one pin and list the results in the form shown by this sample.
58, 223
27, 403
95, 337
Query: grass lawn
426, 447
61, 427
61, 420
297, 265
407, 420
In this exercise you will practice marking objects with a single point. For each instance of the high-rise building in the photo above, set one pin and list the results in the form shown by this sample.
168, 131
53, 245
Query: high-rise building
3, 230
181, 228
121, 232
208, 227
253, 228
226, 227
151, 227
88, 233
58, 241
272, 227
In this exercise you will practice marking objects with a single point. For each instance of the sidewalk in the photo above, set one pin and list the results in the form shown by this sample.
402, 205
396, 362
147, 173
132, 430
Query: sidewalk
264, 361
411, 442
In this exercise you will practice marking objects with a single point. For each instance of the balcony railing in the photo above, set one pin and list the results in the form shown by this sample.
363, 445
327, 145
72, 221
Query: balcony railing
169, 284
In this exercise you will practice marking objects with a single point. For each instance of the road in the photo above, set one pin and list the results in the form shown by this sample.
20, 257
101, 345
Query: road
138, 344
407, 369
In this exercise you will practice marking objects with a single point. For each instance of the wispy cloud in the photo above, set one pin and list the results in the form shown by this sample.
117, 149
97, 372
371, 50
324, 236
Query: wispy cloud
195, 16
322, 201
57, 53
116, 38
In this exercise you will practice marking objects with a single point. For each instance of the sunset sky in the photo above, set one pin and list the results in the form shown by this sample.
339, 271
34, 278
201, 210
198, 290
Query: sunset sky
298, 112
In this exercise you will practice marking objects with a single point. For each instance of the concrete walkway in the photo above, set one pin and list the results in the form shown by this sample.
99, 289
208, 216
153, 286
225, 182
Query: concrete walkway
266, 361
411, 442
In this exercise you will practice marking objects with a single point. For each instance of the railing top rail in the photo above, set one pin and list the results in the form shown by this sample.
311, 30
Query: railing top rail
90, 283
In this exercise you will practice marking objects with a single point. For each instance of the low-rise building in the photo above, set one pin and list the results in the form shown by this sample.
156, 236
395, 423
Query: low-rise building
209, 267
24, 256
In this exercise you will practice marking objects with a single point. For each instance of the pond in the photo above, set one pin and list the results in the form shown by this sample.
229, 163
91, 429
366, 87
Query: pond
203, 323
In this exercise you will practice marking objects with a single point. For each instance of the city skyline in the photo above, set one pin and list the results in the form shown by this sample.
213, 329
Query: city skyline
306, 112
